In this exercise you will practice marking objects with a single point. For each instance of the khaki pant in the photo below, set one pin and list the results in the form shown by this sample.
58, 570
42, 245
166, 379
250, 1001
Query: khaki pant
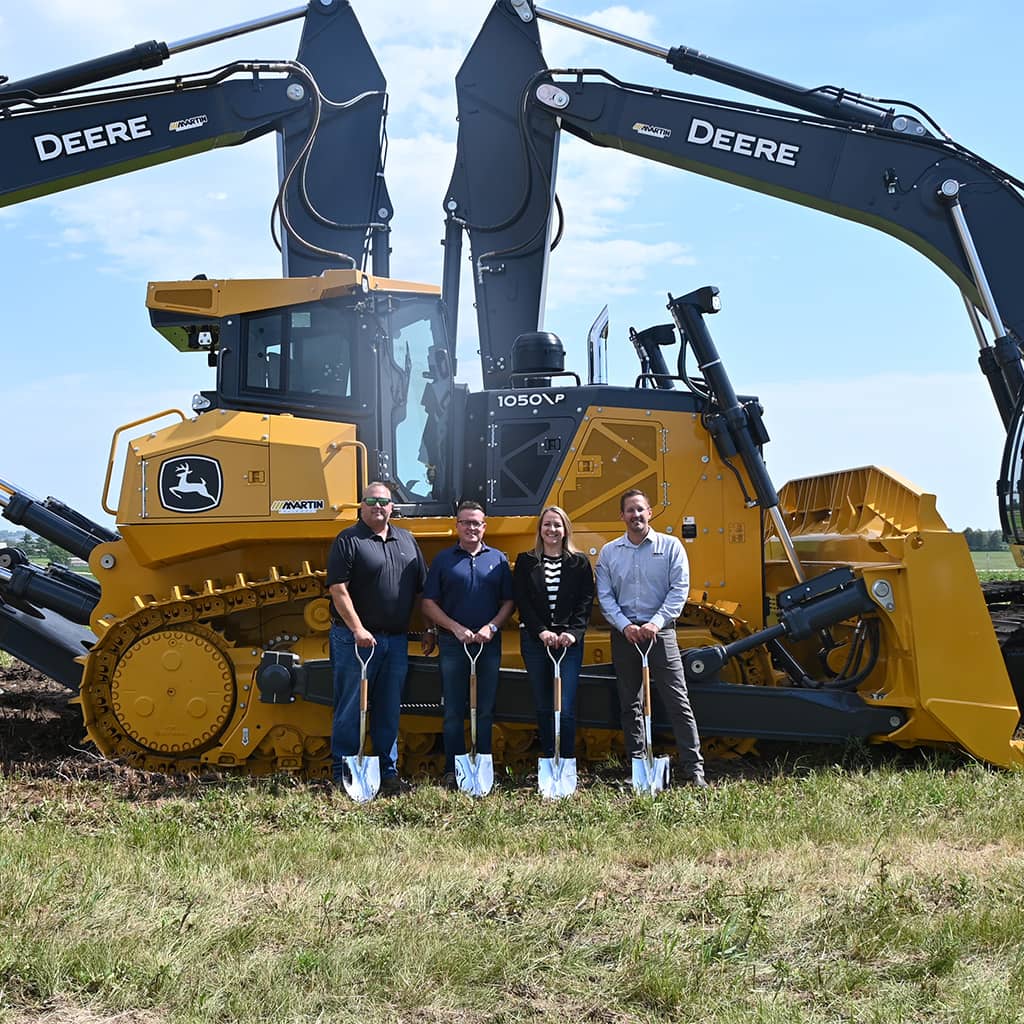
668, 680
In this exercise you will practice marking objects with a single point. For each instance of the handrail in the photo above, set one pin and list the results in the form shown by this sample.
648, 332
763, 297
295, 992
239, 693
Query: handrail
333, 447
113, 449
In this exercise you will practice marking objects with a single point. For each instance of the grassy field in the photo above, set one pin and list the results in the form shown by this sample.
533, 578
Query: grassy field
841, 887
825, 886
996, 565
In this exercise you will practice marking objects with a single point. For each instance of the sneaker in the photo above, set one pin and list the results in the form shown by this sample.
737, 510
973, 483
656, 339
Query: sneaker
448, 781
391, 785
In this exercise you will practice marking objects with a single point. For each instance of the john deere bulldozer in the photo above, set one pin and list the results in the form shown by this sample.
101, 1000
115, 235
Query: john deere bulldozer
836, 607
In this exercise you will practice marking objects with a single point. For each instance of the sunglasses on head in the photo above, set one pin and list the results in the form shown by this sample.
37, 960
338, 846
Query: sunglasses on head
377, 501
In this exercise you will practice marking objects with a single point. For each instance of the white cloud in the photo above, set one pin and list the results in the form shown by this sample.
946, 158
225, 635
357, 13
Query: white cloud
165, 224
564, 47
591, 272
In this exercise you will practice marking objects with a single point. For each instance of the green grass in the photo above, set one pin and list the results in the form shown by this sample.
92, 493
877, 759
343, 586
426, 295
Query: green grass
993, 561
853, 891
996, 565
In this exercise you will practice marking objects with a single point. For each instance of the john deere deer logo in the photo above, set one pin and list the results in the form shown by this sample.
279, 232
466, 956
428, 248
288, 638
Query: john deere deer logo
190, 484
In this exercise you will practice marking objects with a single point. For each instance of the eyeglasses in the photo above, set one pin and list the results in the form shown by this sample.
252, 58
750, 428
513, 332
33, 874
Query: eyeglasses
377, 501
472, 524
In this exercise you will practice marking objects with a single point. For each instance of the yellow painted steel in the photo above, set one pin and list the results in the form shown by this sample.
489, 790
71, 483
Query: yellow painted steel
190, 602
231, 297
193, 700
940, 660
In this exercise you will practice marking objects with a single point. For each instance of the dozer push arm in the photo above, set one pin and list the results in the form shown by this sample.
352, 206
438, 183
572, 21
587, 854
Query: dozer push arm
327, 107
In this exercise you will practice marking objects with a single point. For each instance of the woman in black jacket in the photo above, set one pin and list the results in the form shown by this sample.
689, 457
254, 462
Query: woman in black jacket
554, 590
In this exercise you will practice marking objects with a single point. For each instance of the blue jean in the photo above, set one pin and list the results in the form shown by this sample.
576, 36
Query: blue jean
385, 676
454, 665
542, 674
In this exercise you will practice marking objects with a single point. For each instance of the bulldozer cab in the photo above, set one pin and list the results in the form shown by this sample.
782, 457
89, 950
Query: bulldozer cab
345, 347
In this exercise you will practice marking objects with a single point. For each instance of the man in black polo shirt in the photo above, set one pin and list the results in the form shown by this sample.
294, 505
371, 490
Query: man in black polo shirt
374, 572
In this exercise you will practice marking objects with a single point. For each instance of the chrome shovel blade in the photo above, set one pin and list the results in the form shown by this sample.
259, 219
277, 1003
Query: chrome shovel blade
362, 780
650, 776
556, 780
475, 775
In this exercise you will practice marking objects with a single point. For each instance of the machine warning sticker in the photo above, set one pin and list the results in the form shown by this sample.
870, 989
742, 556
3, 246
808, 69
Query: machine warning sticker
190, 483
197, 121
652, 129
298, 507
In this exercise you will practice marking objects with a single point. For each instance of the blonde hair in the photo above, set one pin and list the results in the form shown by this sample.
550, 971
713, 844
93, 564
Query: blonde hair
567, 545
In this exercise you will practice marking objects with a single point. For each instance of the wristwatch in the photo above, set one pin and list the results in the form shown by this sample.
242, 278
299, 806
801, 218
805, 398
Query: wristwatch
492, 627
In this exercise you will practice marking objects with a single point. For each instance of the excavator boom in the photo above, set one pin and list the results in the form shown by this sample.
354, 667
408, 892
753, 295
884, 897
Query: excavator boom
327, 105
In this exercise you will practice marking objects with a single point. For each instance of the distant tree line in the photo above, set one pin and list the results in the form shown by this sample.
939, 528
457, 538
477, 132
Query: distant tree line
985, 540
37, 548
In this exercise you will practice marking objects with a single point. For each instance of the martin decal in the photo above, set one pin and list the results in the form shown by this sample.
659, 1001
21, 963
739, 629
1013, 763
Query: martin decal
190, 483
197, 121
297, 507
653, 130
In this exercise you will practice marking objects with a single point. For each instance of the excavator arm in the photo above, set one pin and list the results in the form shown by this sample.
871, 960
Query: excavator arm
60, 130
851, 158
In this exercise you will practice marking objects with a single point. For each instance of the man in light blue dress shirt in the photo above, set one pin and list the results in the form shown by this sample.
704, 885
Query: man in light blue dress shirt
643, 578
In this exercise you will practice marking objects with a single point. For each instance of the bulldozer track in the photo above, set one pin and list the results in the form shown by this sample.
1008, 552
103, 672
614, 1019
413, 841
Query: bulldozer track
1005, 600
172, 659
168, 685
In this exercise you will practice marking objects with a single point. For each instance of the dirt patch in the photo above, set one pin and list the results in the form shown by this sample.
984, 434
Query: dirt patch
38, 724
42, 745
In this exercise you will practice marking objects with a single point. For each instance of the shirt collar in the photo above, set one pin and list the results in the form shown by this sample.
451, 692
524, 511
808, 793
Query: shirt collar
368, 533
460, 548
625, 542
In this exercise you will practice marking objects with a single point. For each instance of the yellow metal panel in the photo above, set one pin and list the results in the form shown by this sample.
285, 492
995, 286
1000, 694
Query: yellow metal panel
312, 463
671, 457
220, 298
940, 661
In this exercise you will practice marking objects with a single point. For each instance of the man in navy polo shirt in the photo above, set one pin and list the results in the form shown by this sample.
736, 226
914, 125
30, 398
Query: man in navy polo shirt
374, 571
468, 594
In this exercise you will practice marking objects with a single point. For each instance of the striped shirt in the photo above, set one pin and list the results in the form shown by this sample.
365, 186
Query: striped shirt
552, 578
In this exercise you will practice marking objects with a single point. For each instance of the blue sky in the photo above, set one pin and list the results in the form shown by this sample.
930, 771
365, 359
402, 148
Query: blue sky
858, 347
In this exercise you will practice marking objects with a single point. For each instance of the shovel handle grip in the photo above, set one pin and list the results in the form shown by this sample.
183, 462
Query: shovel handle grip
472, 690
646, 674
558, 693
364, 694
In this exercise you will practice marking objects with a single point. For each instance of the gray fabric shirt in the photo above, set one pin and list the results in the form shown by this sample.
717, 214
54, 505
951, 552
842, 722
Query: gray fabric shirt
645, 582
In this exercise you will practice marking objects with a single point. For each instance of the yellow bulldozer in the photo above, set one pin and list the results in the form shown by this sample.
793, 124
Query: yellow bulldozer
838, 607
